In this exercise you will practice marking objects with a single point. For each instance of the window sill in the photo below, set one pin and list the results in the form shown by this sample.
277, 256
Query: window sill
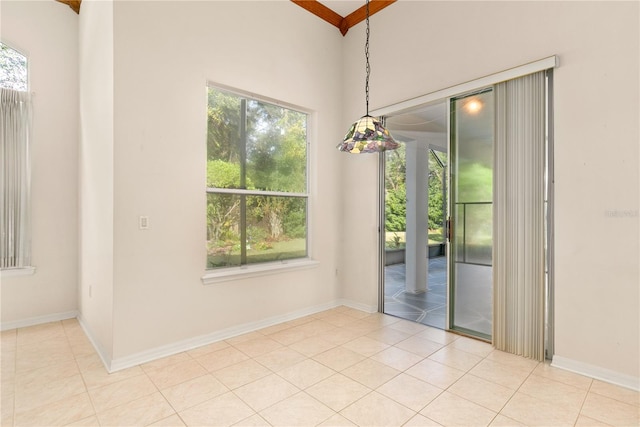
15, 272
257, 270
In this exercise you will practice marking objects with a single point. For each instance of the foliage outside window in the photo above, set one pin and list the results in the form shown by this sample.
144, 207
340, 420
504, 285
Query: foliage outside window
256, 181
396, 197
13, 68
437, 195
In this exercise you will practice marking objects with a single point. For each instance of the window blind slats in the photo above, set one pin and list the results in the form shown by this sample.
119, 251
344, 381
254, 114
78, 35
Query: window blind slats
518, 324
15, 121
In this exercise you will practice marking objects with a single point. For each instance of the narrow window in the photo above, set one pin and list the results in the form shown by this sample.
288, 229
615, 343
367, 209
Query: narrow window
256, 181
15, 122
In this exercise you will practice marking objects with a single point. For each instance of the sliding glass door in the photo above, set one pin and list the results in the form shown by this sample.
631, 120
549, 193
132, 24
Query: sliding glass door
499, 246
471, 213
415, 205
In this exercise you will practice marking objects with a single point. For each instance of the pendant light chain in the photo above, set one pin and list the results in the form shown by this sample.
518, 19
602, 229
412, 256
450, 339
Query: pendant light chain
368, 68
367, 134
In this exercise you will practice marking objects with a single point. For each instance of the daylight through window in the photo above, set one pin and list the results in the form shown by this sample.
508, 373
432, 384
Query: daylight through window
256, 181
13, 69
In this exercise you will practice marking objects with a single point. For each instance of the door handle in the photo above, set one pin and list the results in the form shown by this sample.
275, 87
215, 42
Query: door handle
449, 228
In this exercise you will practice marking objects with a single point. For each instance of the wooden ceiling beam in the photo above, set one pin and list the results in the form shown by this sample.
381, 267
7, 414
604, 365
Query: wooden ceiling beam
73, 4
360, 14
321, 11
343, 24
313, 6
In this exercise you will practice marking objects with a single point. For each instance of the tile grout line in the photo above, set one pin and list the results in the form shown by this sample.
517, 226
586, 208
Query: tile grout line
361, 327
15, 374
584, 400
467, 372
516, 392
86, 388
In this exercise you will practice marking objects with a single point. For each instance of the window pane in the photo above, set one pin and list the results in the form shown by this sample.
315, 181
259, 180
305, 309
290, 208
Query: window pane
395, 208
223, 230
13, 69
255, 145
473, 214
479, 234
459, 232
261, 147
437, 196
224, 145
276, 148
472, 129
276, 228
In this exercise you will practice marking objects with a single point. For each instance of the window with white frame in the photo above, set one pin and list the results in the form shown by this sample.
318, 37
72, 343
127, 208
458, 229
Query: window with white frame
15, 121
257, 193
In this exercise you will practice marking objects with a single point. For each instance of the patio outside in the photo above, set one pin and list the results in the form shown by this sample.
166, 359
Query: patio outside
428, 308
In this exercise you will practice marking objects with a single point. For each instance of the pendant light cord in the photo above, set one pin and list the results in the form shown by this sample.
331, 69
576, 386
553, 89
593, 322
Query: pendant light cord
368, 68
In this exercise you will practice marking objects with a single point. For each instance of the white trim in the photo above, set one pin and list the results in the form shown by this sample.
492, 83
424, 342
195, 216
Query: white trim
191, 343
596, 372
106, 360
214, 190
512, 73
358, 306
255, 270
32, 321
255, 97
16, 272
188, 344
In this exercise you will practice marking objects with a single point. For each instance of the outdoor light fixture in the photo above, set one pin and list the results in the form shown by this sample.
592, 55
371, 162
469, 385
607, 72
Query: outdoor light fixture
367, 135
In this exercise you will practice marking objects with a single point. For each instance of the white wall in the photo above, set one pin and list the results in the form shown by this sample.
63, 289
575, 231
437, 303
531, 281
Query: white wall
164, 54
52, 53
421, 47
96, 173
146, 289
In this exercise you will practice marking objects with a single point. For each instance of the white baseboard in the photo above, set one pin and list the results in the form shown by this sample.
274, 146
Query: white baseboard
191, 343
358, 306
596, 372
106, 359
56, 317
113, 365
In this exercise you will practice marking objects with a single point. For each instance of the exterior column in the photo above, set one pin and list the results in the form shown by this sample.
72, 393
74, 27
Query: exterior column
417, 183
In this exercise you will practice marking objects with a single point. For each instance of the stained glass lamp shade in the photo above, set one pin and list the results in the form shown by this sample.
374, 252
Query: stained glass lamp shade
367, 135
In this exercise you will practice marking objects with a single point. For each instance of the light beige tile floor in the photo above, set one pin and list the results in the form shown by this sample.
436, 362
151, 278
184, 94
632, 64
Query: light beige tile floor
340, 367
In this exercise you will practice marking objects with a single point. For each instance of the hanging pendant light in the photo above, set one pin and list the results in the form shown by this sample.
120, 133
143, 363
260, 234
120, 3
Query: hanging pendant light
367, 135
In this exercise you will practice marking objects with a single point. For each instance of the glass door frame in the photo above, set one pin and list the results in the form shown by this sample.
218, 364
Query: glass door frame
451, 199
548, 63
381, 230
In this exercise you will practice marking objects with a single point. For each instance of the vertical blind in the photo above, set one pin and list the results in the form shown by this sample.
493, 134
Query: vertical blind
15, 121
518, 253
